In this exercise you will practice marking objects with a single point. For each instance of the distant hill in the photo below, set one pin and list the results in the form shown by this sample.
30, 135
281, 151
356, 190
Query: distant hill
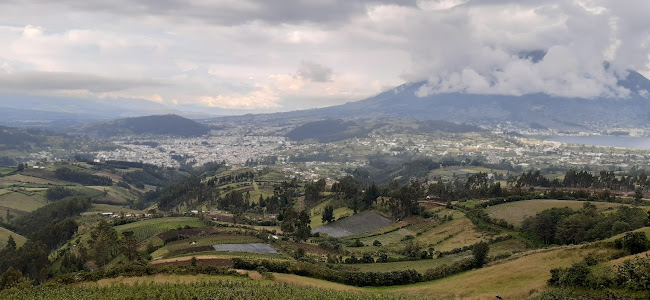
152, 125
328, 131
536, 111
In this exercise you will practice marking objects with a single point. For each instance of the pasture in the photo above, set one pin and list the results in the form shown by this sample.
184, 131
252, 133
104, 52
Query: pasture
516, 212
148, 228
25, 201
4, 236
517, 278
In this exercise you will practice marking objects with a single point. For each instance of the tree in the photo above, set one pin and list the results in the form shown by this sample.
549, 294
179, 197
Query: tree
638, 195
633, 242
11, 243
103, 243
12, 278
480, 252
129, 245
328, 214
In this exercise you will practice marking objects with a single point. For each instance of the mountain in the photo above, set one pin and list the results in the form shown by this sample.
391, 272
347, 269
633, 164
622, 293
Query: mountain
329, 130
535, 111
149, 125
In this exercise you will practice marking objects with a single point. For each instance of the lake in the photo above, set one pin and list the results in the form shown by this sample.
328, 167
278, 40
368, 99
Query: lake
613, 141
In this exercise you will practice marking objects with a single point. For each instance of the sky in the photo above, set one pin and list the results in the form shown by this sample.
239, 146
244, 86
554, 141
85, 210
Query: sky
271, 55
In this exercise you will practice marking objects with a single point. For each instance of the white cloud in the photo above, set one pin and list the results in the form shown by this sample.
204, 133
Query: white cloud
262, 55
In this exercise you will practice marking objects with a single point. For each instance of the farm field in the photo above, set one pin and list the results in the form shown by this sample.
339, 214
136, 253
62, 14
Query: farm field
204, 242
516, 212
357, 224
251, 247
230, 289
114, 193
316, 213
99, 208
23, 201
452, 234
517, 278
4, 236
418, 265
31, 179
148, 228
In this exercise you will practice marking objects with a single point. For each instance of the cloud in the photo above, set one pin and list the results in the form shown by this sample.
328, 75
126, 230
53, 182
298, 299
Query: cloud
232, 12
45, 81
476, 47
314, 72
243, 54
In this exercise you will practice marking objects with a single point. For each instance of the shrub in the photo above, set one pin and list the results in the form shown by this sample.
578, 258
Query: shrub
633, 242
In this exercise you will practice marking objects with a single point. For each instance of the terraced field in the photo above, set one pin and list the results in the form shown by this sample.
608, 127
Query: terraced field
516, 212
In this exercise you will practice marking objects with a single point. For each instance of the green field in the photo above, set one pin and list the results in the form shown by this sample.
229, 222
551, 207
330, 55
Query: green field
517, 278
516, 212
208, 240
316, 213
4, 236
99, 208
418, 265
24, 201
112, 193
148, 228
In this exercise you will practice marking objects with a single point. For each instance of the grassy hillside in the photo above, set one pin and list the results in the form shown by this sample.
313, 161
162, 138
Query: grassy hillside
148, 228
516, 212
517, 278
4, 236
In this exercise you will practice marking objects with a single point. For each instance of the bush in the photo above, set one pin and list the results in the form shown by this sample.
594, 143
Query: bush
633, 242
376, 243
480, 252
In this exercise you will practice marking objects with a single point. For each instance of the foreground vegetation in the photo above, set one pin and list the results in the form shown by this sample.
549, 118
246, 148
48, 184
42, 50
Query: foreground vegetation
212, 290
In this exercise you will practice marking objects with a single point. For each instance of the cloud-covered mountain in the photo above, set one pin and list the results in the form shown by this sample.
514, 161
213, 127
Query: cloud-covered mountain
535, 110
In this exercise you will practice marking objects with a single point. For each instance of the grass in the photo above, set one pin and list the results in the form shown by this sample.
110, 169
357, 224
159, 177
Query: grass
452, 234
517, 278
516, 212
147, 228
6, 170
316, 213
4, 236
31, 179
113, 193
209, 241
418, 265
27, 201
114, 209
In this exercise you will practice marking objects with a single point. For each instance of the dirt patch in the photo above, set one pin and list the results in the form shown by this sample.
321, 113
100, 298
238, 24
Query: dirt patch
214, 262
